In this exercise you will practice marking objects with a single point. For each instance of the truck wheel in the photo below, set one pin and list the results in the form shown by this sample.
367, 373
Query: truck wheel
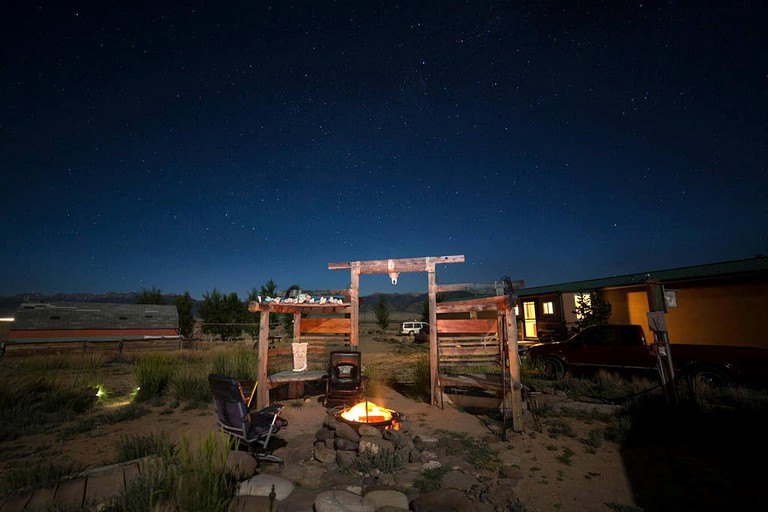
708, 378
552, 368
411, 333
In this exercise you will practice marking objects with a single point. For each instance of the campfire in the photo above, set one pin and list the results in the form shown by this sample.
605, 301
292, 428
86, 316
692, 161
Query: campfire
368, 413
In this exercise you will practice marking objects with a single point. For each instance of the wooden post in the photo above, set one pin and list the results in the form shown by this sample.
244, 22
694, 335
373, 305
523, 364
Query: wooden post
262, 386
354, 302
658, 324
297, 326
515, 385
432, 287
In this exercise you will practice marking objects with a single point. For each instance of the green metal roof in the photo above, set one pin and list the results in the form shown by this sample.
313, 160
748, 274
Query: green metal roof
758, 265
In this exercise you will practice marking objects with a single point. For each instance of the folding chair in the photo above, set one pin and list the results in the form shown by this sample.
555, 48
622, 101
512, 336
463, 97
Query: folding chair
253, 429
345, 380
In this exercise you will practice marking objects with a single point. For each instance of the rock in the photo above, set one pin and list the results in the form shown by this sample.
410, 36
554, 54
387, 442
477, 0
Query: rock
427, 455
367, 430
390, 498
432, 464
442, 500
375, 445
292, 472
341, 501
300, 500
457, 480
345, 431
414, 455
324, 454
241, 465
324, 433
345, 444
261, 485
346, 459
330, 422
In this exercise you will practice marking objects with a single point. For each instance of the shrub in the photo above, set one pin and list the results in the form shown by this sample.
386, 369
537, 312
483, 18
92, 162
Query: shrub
386, 461
45, 472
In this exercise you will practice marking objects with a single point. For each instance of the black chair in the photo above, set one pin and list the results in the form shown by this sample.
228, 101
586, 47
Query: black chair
254, 429
345, 381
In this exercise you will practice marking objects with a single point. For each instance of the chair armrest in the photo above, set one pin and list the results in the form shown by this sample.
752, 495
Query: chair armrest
271, 409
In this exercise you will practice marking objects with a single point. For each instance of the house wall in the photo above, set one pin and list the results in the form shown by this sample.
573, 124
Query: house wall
720, 313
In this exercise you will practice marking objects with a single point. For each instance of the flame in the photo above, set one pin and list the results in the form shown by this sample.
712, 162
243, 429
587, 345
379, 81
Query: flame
367, 412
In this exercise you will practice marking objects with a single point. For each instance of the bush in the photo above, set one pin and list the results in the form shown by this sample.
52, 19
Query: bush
154, 373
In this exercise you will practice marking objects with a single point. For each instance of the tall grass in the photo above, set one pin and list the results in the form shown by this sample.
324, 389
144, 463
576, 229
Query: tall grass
136, 447
422, 377
201, 481
242, 362
154, 373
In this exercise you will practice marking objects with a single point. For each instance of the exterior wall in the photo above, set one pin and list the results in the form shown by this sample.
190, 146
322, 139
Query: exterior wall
720, 314
38, 335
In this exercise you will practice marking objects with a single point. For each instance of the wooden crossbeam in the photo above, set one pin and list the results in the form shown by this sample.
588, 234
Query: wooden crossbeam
396, 265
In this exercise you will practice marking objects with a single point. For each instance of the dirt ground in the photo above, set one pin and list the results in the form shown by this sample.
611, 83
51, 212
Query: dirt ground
559, 471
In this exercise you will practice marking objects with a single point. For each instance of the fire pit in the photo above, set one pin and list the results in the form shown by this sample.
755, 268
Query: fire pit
368, 413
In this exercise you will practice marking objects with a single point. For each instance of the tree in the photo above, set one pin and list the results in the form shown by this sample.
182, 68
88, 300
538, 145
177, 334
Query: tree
253, 320
153, 296
382, 312
184, 306
591, 309
222, 315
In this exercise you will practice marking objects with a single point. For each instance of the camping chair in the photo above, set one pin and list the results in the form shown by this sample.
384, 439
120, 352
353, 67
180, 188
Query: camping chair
251, 428
345, 380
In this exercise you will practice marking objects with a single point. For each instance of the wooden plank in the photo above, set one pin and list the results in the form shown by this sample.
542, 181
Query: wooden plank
282, 307
469, 352
326, 325
16, 503
478, 287
460, 325
70, 494
41, 499
130, 473
398, 265
105, 484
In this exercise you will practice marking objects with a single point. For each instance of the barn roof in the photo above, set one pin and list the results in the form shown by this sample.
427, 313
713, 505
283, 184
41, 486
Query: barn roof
89, 315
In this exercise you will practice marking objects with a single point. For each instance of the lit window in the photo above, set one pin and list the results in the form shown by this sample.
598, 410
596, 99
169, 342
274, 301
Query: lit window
549, 308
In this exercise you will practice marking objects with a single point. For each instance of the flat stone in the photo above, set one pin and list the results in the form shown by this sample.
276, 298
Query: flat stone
300, 500
388, 498
324, 454
261, 485
341, 501
513, 472
442, 500
250, 504
457, 480
324, 433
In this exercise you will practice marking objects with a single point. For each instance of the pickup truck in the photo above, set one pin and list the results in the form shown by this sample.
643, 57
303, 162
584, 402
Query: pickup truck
623, 349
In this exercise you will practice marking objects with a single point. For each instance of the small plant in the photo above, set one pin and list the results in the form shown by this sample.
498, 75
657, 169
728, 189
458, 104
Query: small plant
386, 461
566, 457
558, 427
595, 439
190, 383
430, 479
421, 376
200, 479
136, 447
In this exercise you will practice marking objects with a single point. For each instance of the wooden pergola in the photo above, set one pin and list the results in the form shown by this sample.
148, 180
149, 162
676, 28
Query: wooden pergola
350, 325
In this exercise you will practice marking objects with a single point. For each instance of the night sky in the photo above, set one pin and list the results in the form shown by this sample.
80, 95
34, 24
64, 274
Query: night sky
222, 145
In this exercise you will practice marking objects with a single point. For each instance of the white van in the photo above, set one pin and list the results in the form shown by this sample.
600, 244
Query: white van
411, 328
